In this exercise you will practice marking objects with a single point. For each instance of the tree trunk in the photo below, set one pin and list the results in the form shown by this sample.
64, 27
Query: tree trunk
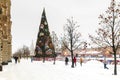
115, 64
54, 57
54, 60
72, 59
44, 59
44, 55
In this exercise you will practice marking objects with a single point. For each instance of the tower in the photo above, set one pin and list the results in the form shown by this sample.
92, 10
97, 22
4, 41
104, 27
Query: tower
5, 31
44, 47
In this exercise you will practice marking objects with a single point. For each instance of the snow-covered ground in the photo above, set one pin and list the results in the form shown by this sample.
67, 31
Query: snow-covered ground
36, 70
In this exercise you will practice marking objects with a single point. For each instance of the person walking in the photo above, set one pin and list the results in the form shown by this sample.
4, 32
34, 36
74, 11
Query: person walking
16, 59
81, 61
74, 60
105, 64
66, 60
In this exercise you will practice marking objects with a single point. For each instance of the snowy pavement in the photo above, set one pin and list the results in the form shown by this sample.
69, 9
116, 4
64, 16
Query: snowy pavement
36, 70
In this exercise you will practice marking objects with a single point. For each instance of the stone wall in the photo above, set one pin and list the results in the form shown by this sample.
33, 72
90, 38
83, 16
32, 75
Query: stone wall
5, 31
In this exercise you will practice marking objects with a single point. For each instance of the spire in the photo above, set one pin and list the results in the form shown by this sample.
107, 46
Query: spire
32, 49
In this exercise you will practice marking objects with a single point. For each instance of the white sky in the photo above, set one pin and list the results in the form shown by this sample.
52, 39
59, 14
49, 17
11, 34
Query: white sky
26, 16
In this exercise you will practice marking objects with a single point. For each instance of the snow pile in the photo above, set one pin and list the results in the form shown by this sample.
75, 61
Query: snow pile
94, 63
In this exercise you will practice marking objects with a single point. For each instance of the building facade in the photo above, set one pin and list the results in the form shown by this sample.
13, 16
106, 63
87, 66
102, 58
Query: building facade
5, 31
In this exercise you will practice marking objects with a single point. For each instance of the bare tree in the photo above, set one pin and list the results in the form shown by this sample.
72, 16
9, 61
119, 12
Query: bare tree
72, 37
108, 35
22, 52
63, 44
18, 53
26, 51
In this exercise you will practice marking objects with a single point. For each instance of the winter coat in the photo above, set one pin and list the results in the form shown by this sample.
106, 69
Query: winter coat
66, 59
74, 59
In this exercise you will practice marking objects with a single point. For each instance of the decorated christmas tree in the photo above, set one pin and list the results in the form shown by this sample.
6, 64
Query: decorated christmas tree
44, 47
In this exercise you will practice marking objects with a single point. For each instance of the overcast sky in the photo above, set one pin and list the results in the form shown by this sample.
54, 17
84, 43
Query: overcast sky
26, 16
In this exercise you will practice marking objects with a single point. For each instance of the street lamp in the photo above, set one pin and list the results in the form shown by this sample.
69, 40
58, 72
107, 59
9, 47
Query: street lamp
65, 53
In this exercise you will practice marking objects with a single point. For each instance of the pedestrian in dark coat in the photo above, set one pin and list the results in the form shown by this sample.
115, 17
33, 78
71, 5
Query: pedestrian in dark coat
16, 59
66, 60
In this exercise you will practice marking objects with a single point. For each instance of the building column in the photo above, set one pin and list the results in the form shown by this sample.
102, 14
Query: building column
5, 52
9, 52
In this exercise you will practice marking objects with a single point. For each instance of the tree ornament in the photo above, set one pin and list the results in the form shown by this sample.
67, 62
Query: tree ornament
41, 26
41, 34
45, 23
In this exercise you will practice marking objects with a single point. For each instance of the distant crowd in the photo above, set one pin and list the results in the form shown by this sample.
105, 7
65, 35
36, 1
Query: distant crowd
67, 59
74, 60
